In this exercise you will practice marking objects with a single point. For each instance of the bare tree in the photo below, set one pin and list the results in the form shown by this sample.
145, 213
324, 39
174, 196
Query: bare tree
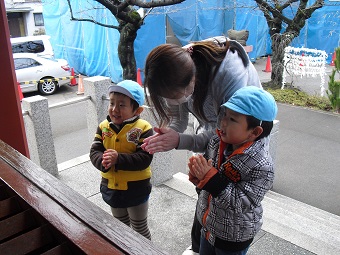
129, 21
281, 37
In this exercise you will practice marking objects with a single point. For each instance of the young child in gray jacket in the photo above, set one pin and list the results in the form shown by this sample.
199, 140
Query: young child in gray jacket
235, 173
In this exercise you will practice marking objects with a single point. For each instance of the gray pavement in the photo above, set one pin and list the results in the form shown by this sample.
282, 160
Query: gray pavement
310, 145
307, 159
290, 227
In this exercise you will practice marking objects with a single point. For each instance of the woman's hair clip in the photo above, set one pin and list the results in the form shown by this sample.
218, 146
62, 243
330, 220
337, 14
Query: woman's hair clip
190, 50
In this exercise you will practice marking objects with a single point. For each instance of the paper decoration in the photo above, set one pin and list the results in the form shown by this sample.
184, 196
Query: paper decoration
305, 62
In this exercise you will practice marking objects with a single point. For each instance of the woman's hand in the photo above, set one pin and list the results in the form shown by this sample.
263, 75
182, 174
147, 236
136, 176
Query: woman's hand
165, 139
109, 158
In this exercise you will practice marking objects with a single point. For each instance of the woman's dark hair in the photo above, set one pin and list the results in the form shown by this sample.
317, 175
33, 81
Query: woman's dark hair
206, 55
170, 67
267, 126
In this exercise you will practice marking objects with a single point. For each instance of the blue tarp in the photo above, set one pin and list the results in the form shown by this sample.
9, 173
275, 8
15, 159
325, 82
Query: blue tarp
92, 49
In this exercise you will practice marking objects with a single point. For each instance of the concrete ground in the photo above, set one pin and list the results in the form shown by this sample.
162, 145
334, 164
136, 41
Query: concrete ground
290, 227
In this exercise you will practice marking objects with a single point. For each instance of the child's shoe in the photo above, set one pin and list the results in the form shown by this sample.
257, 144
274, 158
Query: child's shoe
189, 251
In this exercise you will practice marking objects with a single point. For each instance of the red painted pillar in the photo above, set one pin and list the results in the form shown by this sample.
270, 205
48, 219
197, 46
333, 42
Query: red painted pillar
12, 130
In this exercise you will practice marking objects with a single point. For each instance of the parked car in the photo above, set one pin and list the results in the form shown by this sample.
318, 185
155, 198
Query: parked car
39, 73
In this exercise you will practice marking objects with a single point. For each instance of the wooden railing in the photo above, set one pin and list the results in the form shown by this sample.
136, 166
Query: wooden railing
41, 215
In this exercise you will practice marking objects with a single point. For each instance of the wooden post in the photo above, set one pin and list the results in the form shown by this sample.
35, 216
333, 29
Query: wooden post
12, 129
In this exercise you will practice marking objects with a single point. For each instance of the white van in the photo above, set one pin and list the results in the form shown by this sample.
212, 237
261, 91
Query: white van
39, 44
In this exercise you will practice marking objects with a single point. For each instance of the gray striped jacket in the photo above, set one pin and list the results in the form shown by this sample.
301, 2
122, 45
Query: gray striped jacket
235, 214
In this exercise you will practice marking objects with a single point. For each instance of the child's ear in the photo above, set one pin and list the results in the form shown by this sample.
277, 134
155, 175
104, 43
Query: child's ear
139, 110
257, 132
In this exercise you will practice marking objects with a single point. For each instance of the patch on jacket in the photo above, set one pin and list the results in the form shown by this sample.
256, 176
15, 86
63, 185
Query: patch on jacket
231, 173
133, 135
106, 132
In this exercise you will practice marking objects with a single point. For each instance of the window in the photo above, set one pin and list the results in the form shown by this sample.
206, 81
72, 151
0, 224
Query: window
21, 63
38, 19
28, 47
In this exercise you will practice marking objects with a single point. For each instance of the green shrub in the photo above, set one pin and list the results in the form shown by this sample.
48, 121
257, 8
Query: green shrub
300, 98
334, 85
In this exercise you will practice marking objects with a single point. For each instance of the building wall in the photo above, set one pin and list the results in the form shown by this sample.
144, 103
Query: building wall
21, 16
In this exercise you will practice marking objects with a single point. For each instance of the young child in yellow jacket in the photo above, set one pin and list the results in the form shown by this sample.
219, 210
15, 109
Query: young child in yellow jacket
124, 165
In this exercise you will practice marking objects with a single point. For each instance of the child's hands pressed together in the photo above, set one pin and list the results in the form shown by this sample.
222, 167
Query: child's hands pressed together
199, 166
110, 157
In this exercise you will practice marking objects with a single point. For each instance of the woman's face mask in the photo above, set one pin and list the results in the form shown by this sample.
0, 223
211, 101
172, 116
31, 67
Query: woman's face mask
178, 101
186, 95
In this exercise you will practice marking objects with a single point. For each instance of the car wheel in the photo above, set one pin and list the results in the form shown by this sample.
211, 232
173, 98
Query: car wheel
48, 87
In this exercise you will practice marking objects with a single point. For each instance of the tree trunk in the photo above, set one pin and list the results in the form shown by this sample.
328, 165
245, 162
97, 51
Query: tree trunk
279, 43
126, 51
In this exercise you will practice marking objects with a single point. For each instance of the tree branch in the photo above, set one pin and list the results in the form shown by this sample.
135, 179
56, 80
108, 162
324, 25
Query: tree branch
317, 5
89, 20
288, 3
275, 12
121, 10
303, 14
154, 3
115, 6
97, 23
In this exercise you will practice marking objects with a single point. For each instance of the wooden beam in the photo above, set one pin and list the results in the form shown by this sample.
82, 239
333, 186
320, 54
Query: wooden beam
86, 225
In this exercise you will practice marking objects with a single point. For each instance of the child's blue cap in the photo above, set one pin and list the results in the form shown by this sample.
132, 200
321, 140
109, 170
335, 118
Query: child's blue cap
131, 89
253, 101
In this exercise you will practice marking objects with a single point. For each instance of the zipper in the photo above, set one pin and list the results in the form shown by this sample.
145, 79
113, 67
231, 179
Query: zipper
204, 220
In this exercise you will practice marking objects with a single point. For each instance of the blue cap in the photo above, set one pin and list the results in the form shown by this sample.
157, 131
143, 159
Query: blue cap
253, 101
131, 89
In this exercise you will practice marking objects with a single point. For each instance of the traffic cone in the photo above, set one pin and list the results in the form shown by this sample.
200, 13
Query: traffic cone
80, 85
301, 62
21, 96
73, 80
333, 59
268, 66
139, 78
